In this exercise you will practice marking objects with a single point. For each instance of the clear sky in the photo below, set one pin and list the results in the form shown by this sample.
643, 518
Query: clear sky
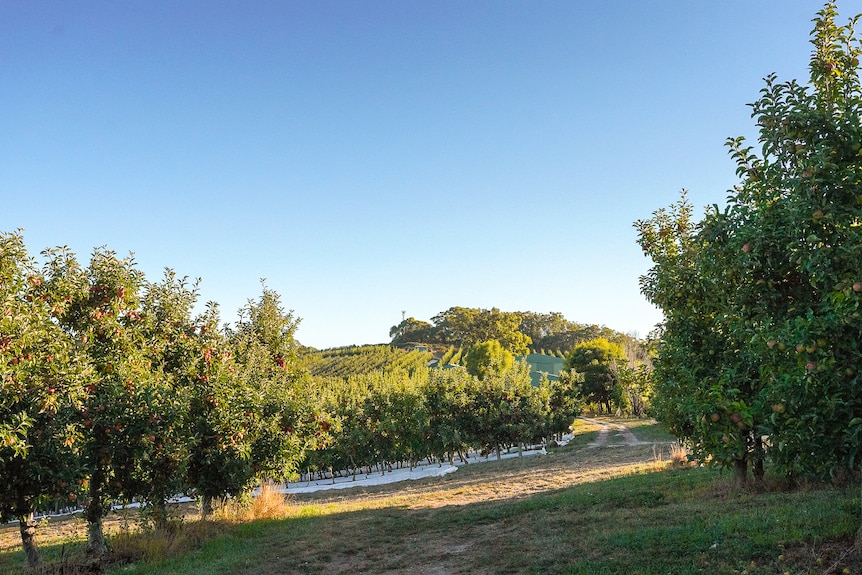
373, 157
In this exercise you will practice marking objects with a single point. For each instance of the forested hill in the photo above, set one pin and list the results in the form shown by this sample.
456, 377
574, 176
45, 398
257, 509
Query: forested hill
518, 332
452, 332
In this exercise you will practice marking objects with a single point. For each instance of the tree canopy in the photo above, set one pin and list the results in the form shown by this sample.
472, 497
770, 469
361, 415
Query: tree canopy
518, 332
762, 299
596, 360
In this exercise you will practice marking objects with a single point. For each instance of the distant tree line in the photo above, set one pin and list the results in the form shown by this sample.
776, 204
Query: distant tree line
518, 332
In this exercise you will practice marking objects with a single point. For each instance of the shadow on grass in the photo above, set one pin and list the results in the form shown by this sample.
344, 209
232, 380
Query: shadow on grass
560, 513
678, 521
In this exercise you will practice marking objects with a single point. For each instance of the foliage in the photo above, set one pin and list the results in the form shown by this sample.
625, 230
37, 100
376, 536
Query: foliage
488, 358
268, 418
467, 326
636, 386
40, 395
383, 419
354, 360
762, 300
518, 332
411, 330
111, 391
597, 360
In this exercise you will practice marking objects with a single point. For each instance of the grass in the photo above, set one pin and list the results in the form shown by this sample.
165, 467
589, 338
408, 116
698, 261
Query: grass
577, 510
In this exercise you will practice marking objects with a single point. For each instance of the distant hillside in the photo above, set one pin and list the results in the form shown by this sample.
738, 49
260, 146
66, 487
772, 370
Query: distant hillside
519, 332
357, 360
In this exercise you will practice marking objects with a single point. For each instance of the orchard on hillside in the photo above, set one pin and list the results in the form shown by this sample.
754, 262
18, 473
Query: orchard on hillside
762, 300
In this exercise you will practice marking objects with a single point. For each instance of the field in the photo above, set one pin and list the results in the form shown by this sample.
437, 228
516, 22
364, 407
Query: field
609, 502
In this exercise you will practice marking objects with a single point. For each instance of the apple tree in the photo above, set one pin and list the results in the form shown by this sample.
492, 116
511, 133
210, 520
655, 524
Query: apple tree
705, 380
254, 414
762, 299
131, 412
40, 394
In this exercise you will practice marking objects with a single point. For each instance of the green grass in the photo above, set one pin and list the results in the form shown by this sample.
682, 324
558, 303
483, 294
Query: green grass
648, 430
669, 522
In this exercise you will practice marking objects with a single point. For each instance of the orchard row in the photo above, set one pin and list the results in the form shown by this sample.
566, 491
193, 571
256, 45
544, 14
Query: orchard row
113, 389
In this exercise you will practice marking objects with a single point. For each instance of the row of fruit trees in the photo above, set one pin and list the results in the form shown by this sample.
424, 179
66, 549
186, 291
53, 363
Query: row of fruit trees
113, 389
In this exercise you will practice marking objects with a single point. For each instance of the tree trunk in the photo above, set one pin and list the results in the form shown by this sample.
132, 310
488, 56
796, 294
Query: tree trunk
758, 460
27, 524
740, 472
160, 515
96, 546
207, 505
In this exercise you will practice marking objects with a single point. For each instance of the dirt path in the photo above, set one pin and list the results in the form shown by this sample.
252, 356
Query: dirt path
622, 435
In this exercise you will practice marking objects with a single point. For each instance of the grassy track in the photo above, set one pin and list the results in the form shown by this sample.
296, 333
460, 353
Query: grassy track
602, 510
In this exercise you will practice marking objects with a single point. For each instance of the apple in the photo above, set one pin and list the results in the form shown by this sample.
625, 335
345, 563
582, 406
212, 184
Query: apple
770, 344
746, 248
714, 417
810, 366
857, 287
818, 214
778, 407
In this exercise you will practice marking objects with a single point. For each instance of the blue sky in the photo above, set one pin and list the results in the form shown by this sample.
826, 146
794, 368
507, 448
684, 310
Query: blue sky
373, 157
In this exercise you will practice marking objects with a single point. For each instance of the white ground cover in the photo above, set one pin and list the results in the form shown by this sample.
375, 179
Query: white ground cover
360, 480
404, 474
